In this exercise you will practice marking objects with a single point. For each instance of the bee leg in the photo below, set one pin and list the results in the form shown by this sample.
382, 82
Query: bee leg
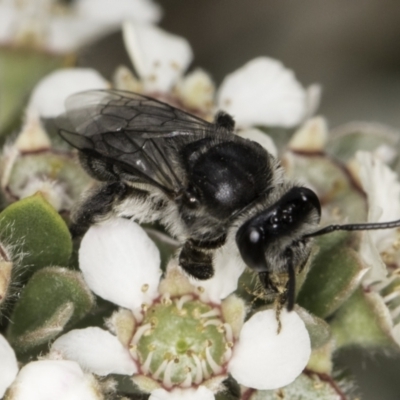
196, 261
99, 204
280, 294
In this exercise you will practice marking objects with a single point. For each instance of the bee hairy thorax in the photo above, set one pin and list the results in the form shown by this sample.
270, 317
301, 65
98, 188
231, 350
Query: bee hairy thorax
224, 178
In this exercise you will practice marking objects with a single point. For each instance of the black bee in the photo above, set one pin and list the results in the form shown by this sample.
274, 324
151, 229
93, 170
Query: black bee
206, 185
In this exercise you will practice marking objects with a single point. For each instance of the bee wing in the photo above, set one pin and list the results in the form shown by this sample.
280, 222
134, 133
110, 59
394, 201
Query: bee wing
140, 134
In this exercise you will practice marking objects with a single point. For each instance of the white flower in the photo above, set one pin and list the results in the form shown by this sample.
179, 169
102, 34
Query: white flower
8, 365
201, 393
49, 26
262, 92
49, 95
382, 187
121, 264
53, 379
380, 248
286, 351
160, 58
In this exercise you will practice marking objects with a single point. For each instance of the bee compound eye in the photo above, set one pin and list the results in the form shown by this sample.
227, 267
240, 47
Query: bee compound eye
309, 197
250, 242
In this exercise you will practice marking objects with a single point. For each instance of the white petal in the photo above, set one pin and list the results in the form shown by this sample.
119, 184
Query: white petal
263, 92
264, 359
201, 393
382, 187
50, 93
396, 333
159, 57
33, 136
383, 194
228, 266
311, 137
385, 153
96, 350
256, 135
313, 99
120, 263
67, 33
8, 19
8, 365
116, 11
51, 379
196, 90
370, 255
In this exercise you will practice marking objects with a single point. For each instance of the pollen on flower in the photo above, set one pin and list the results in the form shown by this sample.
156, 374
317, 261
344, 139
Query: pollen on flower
182, 341
175, 66
145, 288
166, 299
396, 244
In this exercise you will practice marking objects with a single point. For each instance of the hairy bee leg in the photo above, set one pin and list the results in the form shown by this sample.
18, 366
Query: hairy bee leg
99, 204
279, 304
196, 261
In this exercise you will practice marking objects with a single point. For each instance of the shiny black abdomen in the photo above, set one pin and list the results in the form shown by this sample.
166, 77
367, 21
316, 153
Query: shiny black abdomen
227, 175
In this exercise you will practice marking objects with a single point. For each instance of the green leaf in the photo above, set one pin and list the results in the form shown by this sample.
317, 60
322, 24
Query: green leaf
21, 69
317, 328
331, 182
35, 229
335, 275
347, 139
363, 320
321, 358
53, 298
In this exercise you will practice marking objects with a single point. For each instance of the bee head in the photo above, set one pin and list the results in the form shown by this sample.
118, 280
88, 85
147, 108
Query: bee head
274, 238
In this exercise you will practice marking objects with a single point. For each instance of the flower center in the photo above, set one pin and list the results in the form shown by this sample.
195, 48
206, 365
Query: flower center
182, 341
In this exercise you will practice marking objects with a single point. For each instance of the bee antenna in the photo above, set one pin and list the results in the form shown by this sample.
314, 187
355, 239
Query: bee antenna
355, 227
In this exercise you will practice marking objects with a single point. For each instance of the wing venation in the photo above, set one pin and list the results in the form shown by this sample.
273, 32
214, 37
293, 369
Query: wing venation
140, 134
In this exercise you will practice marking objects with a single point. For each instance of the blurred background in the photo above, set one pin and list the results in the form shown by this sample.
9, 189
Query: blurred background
352, 48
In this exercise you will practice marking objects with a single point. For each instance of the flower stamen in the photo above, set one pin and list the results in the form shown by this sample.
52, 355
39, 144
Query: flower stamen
228, 351
166, 299
146, 365
215, 312
206, 374
161, 369
199, 371
140, 332
188, 380
217, 369
167, 382
391, 296
228, 333
216, 322
181, 301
